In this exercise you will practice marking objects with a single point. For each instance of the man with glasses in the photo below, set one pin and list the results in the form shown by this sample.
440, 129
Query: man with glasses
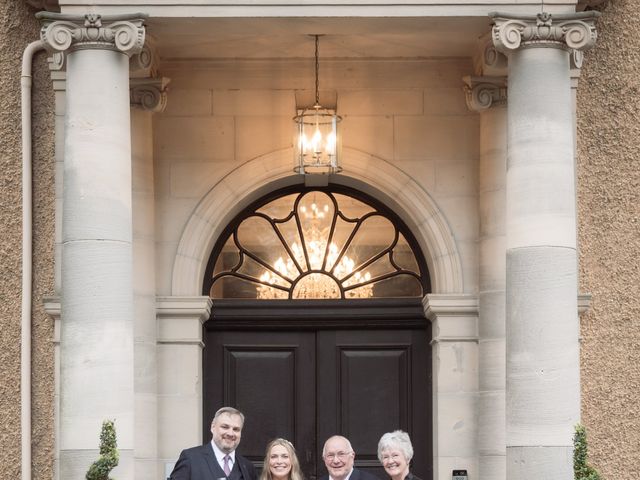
338, 456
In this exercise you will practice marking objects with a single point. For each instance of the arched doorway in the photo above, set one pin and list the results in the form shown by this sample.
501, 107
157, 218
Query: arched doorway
317, 326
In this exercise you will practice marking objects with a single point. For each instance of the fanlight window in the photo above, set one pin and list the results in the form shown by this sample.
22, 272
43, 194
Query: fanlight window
315, 245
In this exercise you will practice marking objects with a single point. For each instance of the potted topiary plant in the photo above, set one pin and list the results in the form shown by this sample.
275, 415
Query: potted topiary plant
109, 455
581, 469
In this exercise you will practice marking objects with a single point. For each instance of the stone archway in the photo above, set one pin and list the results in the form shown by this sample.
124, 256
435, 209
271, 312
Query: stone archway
363, 171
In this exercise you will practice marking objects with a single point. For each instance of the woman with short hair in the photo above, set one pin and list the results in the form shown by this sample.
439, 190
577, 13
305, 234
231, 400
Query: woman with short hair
281, 462
395, 453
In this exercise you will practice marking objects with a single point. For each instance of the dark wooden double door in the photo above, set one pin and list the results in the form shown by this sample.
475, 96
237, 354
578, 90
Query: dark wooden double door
308, 385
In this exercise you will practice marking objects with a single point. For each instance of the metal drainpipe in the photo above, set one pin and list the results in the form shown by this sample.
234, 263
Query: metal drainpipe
27, 261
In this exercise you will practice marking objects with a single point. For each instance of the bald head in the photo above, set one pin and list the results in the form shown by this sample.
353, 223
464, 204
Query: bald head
338, 457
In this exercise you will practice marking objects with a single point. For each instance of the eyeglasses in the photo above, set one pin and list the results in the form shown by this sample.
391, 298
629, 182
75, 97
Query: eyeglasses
339, 455
394, 456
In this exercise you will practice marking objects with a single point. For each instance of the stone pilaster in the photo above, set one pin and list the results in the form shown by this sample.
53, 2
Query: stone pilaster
97, 328
454, 320
488, 96
542, 350
147, 95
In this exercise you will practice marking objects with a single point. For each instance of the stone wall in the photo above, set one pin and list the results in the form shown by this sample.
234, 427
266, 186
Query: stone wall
18, 28
609, 239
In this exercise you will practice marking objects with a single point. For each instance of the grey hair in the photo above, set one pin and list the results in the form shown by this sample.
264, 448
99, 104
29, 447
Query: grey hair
397, 440
228, 411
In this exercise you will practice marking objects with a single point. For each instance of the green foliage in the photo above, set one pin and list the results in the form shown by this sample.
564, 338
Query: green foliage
108, 453
581, 469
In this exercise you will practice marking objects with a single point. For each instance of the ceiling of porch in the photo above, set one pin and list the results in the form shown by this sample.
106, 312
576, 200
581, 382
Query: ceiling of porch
353, 38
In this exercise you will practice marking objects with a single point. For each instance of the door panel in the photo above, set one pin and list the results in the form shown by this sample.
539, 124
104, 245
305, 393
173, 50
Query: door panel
270, 377
372, 382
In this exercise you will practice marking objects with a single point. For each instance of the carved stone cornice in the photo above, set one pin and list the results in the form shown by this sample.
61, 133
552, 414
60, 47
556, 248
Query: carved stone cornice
63, 33
568, 31
148, 93
485, 92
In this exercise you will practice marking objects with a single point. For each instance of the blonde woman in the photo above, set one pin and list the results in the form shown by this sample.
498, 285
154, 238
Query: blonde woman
281, 462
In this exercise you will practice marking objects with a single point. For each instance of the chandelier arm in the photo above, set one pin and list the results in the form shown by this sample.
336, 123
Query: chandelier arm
332, 230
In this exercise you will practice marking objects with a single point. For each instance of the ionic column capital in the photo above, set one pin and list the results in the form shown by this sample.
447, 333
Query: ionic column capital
149, 93
485, 92
64, 33
568, 31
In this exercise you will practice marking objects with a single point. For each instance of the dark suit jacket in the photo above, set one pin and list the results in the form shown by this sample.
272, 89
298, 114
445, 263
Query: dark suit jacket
356, 475
199, 463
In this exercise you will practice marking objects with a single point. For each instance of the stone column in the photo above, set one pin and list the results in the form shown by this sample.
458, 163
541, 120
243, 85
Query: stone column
488, 96
543, 369
96, 338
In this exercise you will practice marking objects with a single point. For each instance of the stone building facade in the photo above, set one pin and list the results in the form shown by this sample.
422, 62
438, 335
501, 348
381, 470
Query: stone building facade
427, 122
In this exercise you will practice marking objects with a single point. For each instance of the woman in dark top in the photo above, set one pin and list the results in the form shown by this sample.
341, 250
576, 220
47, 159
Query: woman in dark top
395, 453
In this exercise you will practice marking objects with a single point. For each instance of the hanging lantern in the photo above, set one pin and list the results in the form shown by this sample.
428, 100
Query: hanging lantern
317, 144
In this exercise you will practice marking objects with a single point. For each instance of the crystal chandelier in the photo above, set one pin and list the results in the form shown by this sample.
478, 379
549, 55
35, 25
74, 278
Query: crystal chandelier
317, 142
318, 284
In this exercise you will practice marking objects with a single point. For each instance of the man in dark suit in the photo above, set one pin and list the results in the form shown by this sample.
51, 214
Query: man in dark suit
218, 459
338, 456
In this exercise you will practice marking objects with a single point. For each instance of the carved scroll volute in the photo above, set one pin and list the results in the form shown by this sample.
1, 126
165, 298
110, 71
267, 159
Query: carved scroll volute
62, 33
571, 31
483, 93
149, 94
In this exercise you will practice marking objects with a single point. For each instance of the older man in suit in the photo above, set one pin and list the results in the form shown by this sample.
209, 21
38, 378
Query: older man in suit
217, 459
338, 456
